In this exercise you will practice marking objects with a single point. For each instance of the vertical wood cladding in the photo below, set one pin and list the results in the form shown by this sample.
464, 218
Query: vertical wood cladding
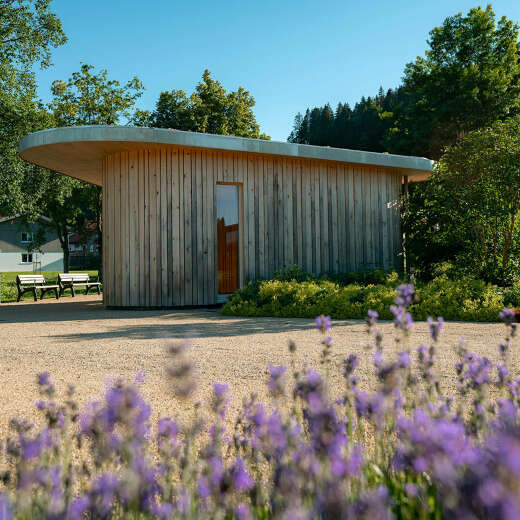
160, 228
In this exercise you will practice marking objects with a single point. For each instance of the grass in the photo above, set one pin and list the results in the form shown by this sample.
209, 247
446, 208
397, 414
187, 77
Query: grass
8, 291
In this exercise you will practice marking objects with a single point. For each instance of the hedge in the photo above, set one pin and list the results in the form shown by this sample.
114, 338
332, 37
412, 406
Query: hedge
304, 296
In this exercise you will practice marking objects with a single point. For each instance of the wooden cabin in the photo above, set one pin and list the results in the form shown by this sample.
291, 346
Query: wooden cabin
188, 218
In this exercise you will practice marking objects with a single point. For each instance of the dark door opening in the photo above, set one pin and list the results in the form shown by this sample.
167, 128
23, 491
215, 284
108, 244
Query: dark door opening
227, 237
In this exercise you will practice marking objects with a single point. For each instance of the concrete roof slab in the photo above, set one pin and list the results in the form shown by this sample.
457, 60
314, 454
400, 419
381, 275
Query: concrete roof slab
77, 151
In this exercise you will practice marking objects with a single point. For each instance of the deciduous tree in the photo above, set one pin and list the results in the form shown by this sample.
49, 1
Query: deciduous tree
210, 109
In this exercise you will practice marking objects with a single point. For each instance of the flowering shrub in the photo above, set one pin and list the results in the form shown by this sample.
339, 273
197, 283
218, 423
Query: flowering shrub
464, 299
403, 450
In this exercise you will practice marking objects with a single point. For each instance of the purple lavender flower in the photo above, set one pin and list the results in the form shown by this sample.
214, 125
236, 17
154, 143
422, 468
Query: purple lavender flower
242, 512
411, 490
242, 481
163, 510
276, 382
507, 315
435, 328
371, 319
44, 378
78, 507
323, 323
220, 398
203, 487
404, 359
6, 512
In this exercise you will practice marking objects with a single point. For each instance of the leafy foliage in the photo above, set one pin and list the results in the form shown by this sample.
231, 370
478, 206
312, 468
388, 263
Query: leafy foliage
468, 79
210, 109
296, 294
84, 99
470, 209
28, 32
87, 98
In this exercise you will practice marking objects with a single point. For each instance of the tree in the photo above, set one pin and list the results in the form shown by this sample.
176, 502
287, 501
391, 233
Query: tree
28, 32
362, 128
87, 98
468, 78
473, 201
210, 109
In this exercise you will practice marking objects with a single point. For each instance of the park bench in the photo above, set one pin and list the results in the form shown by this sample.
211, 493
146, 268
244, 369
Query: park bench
34, 283
72, 280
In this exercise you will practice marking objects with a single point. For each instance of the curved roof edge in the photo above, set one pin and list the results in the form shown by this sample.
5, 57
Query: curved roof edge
33, 147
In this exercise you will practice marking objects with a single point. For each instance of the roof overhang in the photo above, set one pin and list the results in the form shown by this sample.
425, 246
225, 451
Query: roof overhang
77, 151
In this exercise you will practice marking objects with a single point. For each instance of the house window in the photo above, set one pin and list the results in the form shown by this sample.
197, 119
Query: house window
27, 236
27, 258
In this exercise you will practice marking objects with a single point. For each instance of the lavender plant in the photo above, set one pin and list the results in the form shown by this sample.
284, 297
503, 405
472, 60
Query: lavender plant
406, 449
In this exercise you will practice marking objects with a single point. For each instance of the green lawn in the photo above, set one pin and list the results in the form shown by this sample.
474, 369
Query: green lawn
8, 292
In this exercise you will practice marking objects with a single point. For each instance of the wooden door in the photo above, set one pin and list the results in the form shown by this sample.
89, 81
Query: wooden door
227, 237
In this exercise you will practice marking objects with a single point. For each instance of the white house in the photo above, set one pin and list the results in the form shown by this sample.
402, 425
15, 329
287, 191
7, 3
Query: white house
16, 253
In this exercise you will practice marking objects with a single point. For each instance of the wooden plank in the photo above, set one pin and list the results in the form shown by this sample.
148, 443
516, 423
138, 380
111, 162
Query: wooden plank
182, 274
297, 213
260, 202
374, 185
316, 230
250, 212
169, 229
125, 242
398, 237
324, 220
211, 230
146, 183
269, 214
306, 222
358, 219
205, 225
154, 260
279, 226
141, 232
175, 227
188, 264
288, 213
341, 222
199, 216
133, 236
333, 217
227, 165
384, 213
162, 211
379, 202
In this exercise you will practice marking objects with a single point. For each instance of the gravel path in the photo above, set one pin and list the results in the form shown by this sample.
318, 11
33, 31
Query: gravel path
81, 343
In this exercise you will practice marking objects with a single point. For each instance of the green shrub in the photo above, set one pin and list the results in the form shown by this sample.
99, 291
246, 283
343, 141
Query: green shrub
295, 294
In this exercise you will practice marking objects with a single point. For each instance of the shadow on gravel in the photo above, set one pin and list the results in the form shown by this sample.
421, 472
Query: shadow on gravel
205, 324
200, 322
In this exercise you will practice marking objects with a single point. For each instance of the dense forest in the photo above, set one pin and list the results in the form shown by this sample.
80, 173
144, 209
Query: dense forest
364, 127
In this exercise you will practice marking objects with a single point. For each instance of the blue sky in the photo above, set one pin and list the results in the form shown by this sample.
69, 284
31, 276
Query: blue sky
288, 54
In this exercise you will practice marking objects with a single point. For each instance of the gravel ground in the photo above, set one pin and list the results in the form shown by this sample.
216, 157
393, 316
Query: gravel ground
81, 343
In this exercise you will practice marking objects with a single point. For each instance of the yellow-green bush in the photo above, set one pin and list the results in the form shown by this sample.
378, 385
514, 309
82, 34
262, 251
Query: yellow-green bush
466, 299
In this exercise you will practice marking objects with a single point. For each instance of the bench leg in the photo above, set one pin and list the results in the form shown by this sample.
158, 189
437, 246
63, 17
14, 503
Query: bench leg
99, 289
56, 291
87, 289
19, 295
35, 294
73, 292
